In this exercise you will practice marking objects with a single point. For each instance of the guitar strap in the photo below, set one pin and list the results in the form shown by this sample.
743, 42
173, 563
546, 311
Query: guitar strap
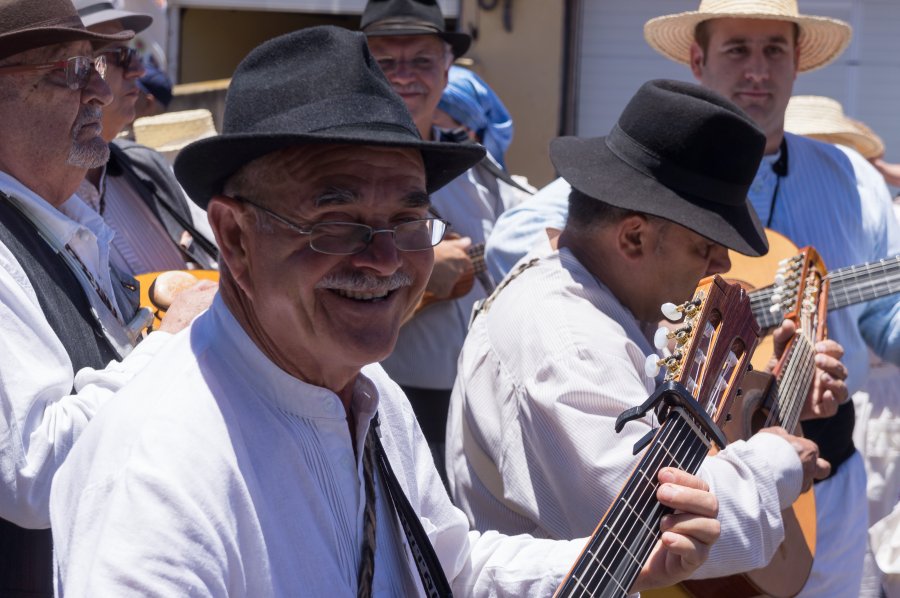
434, 582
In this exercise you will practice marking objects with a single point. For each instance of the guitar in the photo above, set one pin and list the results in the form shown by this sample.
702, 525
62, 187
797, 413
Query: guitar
465, 282
159, 288
778, 401
713, 348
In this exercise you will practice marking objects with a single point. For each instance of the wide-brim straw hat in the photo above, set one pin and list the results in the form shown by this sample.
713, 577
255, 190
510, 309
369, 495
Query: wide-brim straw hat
681, 152
821, 41
29, 24
170, 132
317, 85
824, 119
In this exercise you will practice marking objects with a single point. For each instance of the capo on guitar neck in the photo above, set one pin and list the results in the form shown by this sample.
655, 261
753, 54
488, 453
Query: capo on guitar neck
668, 396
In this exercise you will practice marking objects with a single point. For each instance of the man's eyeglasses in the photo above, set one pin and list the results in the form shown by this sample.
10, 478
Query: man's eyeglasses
348, 238
422, 63
77, 69
123, 57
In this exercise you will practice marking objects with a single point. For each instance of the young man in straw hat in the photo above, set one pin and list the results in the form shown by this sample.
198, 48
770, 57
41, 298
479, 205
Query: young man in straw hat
815, 194
560, 352
62, 309
410, 42
136, 191
248, 460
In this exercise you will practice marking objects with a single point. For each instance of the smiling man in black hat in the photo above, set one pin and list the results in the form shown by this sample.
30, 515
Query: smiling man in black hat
248, 461
560, 351
411, 44
62, 309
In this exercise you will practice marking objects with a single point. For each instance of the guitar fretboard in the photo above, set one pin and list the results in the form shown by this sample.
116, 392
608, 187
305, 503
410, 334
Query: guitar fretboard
622, 542
849, 286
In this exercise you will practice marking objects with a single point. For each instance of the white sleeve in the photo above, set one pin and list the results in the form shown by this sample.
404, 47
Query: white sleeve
43, 407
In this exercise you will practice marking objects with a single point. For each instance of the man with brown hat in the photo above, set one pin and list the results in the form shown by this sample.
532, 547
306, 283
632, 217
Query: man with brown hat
411, 44
815, 194
63, 309
136, 191
266, 454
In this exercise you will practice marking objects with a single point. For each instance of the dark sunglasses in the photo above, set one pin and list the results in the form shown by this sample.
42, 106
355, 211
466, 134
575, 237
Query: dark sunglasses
122, 57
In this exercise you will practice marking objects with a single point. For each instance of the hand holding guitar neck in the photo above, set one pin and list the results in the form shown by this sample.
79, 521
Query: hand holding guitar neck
829, 390
176, 297
814, 467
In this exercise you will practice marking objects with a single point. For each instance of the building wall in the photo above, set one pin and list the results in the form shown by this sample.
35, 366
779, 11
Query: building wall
525, 68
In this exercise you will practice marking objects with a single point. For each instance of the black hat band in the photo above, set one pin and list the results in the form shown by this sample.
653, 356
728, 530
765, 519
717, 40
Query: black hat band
671, 175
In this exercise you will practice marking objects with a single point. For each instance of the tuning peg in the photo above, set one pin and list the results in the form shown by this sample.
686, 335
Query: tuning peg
779, 279
775, 309
777, 297
652, 365
661, 338
671, 312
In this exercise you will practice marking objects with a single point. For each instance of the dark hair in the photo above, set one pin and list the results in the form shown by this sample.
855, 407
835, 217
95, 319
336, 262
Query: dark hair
586, 211
702, 35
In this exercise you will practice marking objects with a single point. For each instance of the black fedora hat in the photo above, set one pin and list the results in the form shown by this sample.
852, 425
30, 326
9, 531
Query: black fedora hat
29, 24
316, 85
93, 13
679, 152
411, 17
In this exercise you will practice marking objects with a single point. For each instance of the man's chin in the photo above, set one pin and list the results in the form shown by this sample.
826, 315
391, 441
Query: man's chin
89, 154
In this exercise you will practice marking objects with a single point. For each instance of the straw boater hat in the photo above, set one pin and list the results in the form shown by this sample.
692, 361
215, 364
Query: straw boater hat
169, 132
821, 39
823, 119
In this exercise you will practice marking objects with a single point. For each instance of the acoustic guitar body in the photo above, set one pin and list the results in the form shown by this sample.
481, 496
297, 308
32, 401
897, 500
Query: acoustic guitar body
787, 572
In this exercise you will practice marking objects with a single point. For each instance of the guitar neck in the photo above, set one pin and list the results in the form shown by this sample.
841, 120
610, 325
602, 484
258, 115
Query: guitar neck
794, 381
624, 538
849, 286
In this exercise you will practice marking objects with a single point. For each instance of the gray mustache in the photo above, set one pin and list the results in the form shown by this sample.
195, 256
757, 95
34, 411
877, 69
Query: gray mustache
364, 283
88, 114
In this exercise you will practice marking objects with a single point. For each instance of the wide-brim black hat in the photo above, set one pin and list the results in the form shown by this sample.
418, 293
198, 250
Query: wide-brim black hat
680, 152
94, 13
316, 85
29, 24
411, 17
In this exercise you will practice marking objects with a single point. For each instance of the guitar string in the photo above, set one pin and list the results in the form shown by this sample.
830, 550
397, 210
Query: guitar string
632, 565
794, 384
643, 501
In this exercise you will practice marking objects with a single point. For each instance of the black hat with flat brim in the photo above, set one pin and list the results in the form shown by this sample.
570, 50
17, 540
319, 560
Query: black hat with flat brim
680, 152
316, 85
411, 17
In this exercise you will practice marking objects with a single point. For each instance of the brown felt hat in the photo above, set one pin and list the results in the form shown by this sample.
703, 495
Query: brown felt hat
29, 24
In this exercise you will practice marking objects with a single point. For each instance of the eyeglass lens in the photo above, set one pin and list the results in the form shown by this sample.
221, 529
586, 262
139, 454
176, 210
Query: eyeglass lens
344, 238
422, 63
78, 70
123, 57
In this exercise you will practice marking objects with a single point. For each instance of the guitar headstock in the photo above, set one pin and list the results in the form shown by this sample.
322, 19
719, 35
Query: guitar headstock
800, 294
713, 344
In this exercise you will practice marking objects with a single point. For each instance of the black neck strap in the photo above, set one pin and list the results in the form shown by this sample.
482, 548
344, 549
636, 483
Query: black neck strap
430, 571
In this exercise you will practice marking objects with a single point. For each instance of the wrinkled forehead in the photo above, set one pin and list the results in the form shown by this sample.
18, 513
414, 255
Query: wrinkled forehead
405, 44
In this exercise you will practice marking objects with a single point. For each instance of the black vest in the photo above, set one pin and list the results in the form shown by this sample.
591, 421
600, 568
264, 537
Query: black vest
26, 556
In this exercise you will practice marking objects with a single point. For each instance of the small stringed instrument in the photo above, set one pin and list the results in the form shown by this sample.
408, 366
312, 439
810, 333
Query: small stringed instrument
465, 282
713, 348
803, 285
158, 289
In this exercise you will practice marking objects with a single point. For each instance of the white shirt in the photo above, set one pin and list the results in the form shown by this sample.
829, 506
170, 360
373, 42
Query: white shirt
215, 473
141, 244
542, 377
40, 415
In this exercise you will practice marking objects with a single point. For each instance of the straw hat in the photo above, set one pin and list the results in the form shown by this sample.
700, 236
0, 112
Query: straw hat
823, 119
821, 39
167, 133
